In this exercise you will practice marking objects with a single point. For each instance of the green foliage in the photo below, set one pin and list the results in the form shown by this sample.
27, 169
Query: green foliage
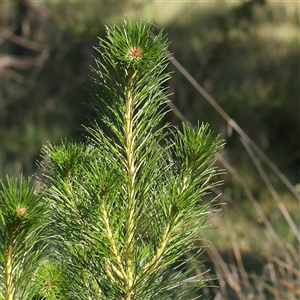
23, 218
123, 208
127, 206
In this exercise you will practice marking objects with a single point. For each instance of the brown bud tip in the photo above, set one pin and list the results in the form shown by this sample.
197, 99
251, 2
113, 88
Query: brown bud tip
135, 52
21, 210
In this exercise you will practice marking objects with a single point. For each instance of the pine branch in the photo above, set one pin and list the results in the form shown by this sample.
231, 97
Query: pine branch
23, 219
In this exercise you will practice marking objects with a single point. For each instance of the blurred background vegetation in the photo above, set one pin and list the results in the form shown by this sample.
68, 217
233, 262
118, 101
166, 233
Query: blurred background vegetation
245, 54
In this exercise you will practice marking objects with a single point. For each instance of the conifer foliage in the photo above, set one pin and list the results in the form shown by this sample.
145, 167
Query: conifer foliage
126, 206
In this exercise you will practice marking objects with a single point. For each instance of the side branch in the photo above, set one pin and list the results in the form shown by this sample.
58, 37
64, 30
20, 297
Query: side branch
120, 272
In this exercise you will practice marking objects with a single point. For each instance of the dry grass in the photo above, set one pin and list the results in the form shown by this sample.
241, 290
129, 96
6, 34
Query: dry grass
255, 250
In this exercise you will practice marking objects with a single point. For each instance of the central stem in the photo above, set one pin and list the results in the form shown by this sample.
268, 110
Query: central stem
9, 266
131, 172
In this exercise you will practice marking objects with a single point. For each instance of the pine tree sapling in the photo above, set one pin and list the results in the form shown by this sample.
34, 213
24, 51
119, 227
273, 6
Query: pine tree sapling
127, 205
